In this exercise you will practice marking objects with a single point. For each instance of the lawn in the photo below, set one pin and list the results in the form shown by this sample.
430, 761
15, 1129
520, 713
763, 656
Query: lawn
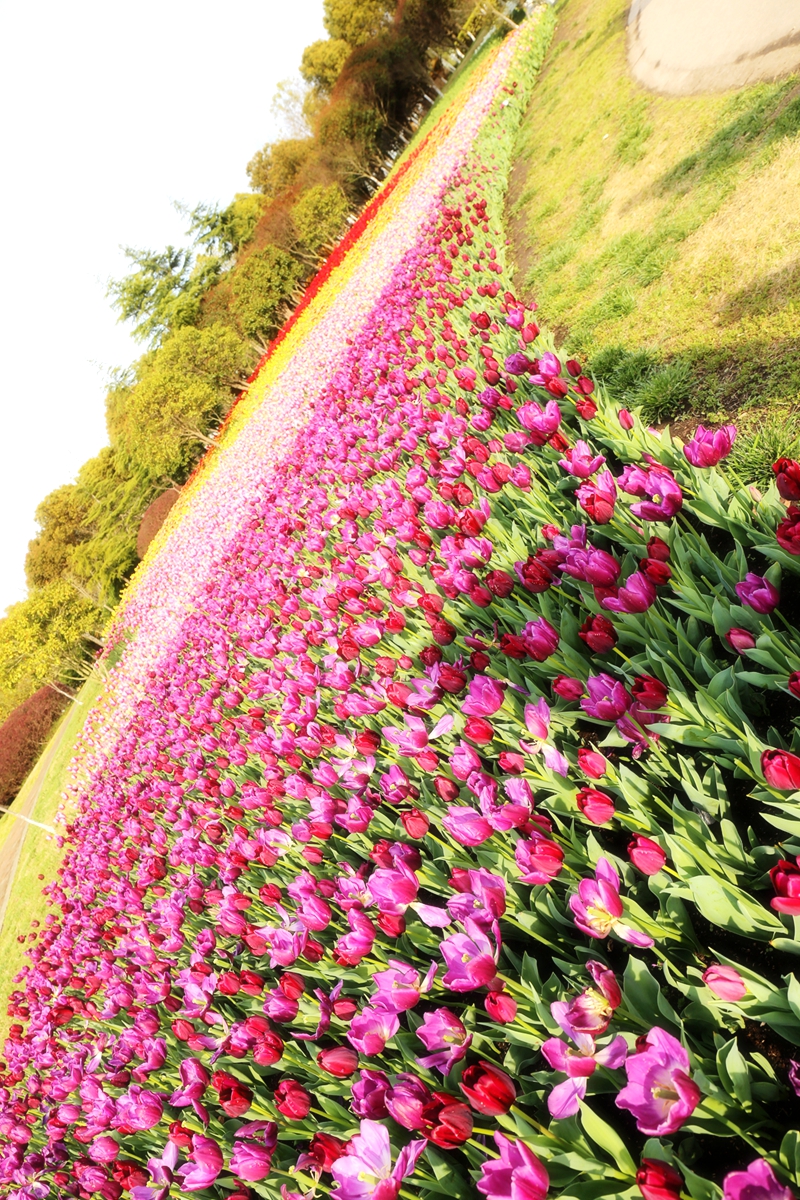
41, 854
661, 230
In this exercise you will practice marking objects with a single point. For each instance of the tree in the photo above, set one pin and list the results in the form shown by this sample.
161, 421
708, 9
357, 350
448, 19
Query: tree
319, 216
276, 166
43, 640
165, 291
262, 289
160, 424
223, 231
288, 108
322, 63
356, 21
62, 520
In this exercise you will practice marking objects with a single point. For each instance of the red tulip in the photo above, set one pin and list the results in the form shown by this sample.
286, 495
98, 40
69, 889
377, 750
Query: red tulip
781, 769
787, 478
292, 1100
657, 1180
646, 855
596, 806
488, 1089
339, 1061
785, 878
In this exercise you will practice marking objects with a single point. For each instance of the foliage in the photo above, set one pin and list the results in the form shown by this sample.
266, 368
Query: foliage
181, 394
764, 438
322, 63
62, 518
22, 736
356, 21
666, 205
165, 291
262, 289
223, 232
43, 638
276, 166
319, 216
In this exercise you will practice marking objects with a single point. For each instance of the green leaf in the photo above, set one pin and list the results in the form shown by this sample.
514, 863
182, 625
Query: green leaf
734, 1073
730, 908
607, 1139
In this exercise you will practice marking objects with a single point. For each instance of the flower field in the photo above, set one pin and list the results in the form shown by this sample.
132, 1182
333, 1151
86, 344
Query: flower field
437, 832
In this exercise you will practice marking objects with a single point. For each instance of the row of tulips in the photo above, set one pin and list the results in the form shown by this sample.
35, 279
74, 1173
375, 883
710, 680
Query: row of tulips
438, 834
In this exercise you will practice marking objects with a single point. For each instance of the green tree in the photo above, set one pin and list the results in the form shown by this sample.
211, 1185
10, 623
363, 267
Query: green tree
276, 166
356, 21
262, 289
319, 216
160, 423
322, 63
62, 519
223, 231
165, 291
47, 638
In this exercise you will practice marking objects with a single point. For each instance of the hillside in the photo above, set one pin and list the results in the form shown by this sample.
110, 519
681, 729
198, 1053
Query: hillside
658, 230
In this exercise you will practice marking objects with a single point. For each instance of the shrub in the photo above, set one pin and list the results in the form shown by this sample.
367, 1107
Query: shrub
22, 736
770, 437
275, 167
262, 288
319, 215
666, 393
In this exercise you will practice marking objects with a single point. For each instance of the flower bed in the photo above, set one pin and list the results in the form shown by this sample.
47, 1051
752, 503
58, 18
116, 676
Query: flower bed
440, 824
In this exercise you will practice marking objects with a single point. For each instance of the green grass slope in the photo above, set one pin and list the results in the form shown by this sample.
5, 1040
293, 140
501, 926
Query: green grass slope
661, 235
40, 855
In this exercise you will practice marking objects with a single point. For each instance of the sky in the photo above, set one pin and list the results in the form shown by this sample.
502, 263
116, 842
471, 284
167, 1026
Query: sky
111, 113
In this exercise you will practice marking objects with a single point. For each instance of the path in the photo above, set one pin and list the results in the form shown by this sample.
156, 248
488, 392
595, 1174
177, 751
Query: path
685, 47
12, 847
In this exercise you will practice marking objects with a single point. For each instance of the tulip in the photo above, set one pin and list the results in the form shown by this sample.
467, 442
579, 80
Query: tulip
598, 498
339, 1061
541, 423
534, 574
292, 1100
781, 769
489, 1090
599, 634
739, 639
445, 1036
204, 1166
787, 478
485, 697
788, 531
539, 860
234, 1097
607, 699
368, 1094
479, 730
580, 461
636, 595
372, 1029
540, 638
708, 446
415, 823
649, 692
660, 1091
758, 593
471, 959
597, 907
251, 1161
592, 763
501, 1007
596, 806
758, 1182
657, 1180
793, 684
366, 1170
568, 688
785, 877
625, 419
725, 982
592, 565
646, 855
466, 826
578, 1065
516, 1175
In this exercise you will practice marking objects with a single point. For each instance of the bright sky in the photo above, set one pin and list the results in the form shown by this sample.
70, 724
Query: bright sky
111, 111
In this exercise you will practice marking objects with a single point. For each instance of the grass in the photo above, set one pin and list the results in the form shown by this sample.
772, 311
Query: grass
661, 225
41, 854
760, 441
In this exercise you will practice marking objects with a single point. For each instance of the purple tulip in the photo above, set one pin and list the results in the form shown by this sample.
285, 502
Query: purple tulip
591, 565
471, 959
660, 1091
757, 1182
540, 639
636, 595
659, 484
400, 986
541, 423
597, 907
138, 1110
372, 1029
466, 826
608, 699
709, 446
205, 1164
485, 697
580, 461
445, 1036
578, 1065
250, 1161
757, 592
368, 1095
516, 1175
366, 1172
517, 363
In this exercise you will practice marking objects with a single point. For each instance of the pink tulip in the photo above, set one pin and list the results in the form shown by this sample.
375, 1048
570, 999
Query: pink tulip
517, 1174
597, 907
485, 697
366, 1172
646, 855
725, 982
708, 446
757, 1182
580, 461
660, 1091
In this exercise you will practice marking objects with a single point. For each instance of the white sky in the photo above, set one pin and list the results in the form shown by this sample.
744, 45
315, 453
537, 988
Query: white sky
110, 111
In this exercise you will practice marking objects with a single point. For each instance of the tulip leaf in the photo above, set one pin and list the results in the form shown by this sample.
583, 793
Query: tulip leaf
607, 1139
730, 908
790, 1154
734, 1073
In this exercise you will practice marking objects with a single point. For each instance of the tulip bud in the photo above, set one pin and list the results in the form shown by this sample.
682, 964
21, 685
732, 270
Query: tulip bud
339, 1061
596, 806
446, 789
626, 419
781, 769
793, 683
592, 763
488, 1089
646, 855
740, 639
479, 730
292, 1100
725, 982
657, 1180
415, 823
599, 634
500, 1007
567, 687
